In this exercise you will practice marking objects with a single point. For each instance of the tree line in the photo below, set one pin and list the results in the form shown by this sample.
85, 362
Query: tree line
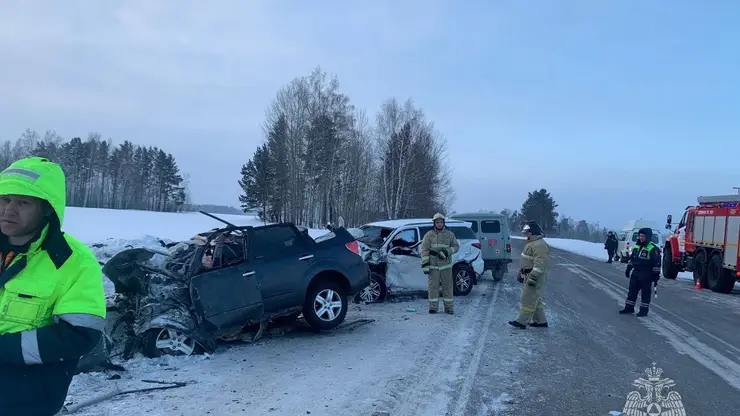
540, 206
322, 158
100, 175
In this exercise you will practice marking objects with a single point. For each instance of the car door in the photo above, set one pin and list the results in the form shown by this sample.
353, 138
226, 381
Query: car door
404, 270
226, 297
279, 257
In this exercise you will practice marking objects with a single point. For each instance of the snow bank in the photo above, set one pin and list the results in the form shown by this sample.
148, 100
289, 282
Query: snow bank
588, 249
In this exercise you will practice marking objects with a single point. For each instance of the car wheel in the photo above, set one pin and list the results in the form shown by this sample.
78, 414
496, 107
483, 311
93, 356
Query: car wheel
167, 341
375, 292
462, 276
326, 306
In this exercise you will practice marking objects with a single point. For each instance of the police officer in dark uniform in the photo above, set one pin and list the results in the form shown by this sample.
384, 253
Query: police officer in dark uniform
643, 270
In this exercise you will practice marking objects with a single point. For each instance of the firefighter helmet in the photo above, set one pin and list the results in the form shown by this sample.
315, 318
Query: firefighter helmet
438, 216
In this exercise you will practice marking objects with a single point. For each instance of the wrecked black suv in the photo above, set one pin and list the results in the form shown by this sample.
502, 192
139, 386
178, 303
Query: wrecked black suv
224, 283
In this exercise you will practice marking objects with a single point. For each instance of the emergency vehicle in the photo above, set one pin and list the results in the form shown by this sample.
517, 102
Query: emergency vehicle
705, 242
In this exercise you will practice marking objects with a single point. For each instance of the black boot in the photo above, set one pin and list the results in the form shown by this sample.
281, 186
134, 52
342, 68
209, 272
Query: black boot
542, 325
517, 325
627, 309
643, 311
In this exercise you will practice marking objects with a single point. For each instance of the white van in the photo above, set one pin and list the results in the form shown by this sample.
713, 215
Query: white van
628, 237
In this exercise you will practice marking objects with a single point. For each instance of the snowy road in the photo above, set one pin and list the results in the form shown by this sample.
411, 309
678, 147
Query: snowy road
411, 363
586, 362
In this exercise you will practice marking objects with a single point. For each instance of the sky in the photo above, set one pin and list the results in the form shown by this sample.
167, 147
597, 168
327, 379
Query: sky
621, 109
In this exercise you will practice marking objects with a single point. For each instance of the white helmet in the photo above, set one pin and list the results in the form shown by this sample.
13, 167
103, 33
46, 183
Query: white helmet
438, 216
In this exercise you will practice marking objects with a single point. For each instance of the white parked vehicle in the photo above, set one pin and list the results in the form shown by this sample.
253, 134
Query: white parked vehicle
628, 237
393, 251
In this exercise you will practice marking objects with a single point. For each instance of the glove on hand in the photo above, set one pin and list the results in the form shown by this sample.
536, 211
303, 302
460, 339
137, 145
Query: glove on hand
519, 277
442, 254
627, 272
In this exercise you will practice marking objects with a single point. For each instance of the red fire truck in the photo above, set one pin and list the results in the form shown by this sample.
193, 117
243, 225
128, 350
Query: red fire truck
705, 242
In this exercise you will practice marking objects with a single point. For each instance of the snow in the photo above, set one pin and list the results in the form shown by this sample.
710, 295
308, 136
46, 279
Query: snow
589, 249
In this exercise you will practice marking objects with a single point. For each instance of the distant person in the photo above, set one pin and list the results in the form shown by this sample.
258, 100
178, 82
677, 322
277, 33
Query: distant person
52, 304
611, 245
533, 273
643, 270
437, 248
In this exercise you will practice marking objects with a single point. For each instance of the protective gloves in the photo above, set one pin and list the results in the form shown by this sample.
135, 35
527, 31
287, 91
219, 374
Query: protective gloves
628, 271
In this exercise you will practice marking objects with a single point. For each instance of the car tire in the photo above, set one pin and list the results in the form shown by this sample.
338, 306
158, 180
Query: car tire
316, 312
185, 345
462, 279
375, 292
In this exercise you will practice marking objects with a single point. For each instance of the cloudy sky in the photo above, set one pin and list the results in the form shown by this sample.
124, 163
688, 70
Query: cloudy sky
622, 109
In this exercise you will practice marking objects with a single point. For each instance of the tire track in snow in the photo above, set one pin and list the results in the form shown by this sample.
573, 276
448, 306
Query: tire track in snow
416, 400
467, 387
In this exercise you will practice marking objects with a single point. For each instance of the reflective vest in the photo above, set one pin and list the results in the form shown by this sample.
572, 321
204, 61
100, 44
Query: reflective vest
58, 277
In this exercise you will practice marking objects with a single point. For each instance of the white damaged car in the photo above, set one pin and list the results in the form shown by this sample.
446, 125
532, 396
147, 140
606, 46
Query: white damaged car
392, 249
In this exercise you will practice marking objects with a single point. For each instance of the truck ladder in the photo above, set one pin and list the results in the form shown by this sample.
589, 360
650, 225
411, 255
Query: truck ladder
718, 199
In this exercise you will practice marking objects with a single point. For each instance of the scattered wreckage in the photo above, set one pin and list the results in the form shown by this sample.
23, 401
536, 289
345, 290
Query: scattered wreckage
229, 284
392, 250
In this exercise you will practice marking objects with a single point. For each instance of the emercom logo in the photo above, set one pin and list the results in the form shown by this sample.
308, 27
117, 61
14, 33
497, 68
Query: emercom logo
658, 399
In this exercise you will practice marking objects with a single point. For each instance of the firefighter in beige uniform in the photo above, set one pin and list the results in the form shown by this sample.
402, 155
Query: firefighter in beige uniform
437, 248
533, 273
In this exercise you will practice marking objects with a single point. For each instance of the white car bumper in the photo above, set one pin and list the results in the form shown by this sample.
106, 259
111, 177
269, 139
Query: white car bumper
478, 265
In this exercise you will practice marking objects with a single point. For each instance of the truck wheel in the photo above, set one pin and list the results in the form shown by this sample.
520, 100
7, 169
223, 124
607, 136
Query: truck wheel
719, 279
375, 292
462, 279
670, 270
700, 268
326, 305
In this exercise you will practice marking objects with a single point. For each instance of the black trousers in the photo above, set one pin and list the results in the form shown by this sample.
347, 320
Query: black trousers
642, 285
610, 253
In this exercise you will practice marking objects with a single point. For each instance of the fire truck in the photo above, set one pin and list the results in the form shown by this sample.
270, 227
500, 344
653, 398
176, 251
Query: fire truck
705, 242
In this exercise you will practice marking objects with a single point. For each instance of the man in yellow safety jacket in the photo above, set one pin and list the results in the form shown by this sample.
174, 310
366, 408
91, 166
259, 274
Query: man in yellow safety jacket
437, 248
52, 304
533, 273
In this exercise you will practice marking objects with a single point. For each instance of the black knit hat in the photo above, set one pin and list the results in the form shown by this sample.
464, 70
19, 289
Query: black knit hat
648, 233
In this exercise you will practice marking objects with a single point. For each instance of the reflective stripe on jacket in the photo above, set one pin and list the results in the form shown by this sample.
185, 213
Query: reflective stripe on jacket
434, 240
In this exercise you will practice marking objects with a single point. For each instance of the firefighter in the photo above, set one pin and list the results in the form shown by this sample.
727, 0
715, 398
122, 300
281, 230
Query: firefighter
611, 245
533, 273
437, 248
643, 270
52, 304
